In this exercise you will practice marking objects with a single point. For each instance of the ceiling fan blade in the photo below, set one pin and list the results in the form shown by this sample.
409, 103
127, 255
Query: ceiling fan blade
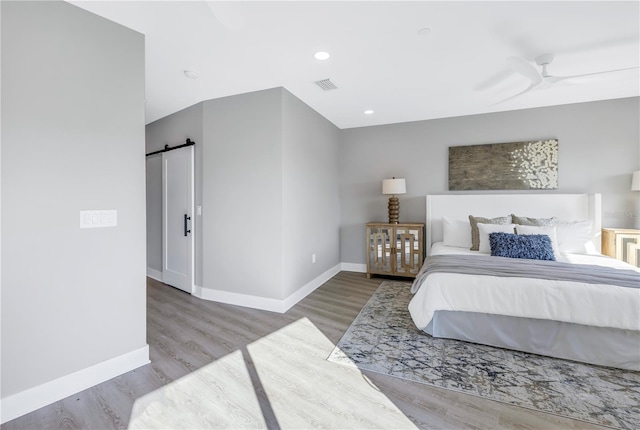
529, 88
525, 69
554, 79
493, 80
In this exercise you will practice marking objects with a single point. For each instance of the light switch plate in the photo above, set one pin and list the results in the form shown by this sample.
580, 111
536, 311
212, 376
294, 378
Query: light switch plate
98, 218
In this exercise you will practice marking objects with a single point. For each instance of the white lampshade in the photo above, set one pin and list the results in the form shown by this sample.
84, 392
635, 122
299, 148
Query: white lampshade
635, 182
394, 186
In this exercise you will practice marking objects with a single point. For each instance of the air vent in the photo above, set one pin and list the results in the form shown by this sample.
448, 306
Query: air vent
326, 85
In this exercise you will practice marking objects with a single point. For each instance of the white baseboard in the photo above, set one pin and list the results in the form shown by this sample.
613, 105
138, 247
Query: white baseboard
239, 299
154, 274
16, 405
310, 287
265, 303
353, 267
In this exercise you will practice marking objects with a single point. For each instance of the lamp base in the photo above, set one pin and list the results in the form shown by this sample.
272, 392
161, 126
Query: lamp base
394, 210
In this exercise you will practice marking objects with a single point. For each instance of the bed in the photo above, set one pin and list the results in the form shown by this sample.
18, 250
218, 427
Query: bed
595, 320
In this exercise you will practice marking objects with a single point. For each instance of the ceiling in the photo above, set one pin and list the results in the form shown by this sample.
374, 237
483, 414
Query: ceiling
380, 60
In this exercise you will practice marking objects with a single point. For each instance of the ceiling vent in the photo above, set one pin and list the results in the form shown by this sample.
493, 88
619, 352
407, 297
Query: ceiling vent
326, 85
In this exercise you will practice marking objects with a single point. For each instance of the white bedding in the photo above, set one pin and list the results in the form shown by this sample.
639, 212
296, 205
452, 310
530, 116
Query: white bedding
574, 302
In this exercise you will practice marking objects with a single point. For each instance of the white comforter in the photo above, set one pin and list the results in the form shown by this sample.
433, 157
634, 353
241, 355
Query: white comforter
576, 302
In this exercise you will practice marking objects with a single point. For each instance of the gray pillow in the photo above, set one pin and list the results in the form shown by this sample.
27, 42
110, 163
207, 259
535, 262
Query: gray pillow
541, 222
475, 233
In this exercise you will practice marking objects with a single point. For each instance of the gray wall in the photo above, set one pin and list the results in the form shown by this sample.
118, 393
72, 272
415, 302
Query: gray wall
172, 130
267, 179
72, 139
311, 205
599, 148
242, 194
154, 212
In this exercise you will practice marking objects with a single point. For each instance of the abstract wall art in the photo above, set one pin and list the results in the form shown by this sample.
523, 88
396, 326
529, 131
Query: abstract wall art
529, 165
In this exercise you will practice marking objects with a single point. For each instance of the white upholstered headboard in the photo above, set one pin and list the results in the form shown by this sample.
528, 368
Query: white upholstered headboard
565, 207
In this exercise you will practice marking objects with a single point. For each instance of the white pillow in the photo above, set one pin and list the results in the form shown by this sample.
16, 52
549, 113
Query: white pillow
456, 233
549, 230
485, 229
575, 237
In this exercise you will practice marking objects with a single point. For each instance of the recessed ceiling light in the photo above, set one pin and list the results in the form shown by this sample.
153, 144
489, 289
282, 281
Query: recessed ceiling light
191, 74
321, 55
368, 112
424, 31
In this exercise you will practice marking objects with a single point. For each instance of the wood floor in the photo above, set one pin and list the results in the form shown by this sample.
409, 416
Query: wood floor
223, 366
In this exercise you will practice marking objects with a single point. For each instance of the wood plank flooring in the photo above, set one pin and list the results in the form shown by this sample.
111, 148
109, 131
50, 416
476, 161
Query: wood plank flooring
222, 366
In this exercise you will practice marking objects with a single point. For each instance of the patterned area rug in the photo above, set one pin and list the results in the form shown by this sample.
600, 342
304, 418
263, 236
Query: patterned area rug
383, 339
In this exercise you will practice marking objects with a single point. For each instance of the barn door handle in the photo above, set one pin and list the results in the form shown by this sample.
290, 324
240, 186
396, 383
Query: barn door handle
185, 224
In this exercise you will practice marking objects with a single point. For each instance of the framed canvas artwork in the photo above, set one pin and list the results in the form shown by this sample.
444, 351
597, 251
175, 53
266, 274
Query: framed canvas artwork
504, 166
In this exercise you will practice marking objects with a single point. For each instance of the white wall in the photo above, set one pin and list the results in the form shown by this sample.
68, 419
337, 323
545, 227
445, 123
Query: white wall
599, 148
72, 139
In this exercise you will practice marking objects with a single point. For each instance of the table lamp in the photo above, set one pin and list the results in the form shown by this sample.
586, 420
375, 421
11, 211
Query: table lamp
394, 186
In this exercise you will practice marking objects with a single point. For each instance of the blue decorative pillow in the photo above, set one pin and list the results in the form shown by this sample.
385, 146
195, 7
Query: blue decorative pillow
531, 246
